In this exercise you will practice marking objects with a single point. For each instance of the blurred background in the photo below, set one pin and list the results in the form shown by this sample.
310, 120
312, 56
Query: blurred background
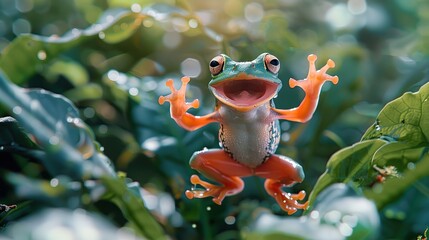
111, 58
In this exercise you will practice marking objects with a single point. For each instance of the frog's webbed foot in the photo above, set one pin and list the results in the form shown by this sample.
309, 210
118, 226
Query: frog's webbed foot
315, 78
177, 98
217, 192
288, 202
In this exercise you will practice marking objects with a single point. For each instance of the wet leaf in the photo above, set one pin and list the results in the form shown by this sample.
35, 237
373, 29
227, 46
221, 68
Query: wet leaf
28, 52
54, 123
397, 139
339, 213
12, 135
61, 223
131, 204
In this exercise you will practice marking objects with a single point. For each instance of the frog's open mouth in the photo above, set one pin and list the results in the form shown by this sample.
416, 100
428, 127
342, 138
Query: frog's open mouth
245, 94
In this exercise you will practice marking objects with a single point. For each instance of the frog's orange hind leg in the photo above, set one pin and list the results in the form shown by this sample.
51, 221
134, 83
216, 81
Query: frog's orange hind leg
217, 165
281, 171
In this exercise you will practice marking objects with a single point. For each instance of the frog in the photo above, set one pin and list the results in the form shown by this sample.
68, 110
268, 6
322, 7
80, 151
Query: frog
249, 130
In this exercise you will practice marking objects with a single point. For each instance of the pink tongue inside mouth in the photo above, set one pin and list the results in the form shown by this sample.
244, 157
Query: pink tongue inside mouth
245, 92
244, 97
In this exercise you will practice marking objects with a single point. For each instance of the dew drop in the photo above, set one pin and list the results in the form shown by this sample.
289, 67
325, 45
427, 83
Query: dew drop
314, 215
133, 91
411, 165
101, 35
285, 137
1, 148
230, 220
377, 127
208, 208
102, 149
193, 23
136, 8
54, 182
194, 225
41, 55
54, 140
17, 110
113, 75
89, 112
34, 104
102, 129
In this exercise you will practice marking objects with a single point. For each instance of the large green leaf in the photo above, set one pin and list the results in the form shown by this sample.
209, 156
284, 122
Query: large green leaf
398, 140
28, 52
21, 58
339, 213
62, 223
54, 123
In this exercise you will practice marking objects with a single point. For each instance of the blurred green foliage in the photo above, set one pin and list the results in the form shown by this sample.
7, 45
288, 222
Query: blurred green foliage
82, 137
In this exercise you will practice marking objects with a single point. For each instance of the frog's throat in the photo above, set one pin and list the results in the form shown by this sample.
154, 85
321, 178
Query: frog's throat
245, 94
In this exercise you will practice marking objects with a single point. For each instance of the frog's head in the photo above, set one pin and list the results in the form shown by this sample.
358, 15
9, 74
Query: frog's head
245, 85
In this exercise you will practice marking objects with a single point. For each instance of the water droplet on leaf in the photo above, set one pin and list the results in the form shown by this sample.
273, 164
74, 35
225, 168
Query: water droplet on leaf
17, 110
133, 91
41, 55
136, 7
101, 35
54, 140
230, 220
54, 182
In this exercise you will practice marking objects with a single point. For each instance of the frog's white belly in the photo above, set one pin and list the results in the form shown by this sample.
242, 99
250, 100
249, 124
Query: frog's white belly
248, 136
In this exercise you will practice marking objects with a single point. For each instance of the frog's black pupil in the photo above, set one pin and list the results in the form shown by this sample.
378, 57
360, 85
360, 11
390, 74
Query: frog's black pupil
214, 63
274, 62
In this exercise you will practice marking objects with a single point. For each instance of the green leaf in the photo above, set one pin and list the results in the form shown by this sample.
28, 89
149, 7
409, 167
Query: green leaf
12, 135
85, 92
27, 53
62, 223
54, 123
339, 213
349, 164
398, 139
133, 208
393, 188
73, 71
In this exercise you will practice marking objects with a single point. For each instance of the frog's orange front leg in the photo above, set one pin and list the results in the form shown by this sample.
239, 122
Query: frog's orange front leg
217, 165
281, 171
311, 86
179, 106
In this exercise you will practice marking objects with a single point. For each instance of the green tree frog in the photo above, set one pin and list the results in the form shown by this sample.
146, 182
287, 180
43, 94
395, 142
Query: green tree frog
249, 127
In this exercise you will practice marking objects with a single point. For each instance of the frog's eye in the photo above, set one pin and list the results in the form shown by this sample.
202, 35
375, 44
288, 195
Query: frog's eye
272, 63
216, 65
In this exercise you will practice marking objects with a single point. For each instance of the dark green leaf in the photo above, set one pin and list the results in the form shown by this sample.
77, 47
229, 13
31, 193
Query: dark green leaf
133, 208
54, 123
12, 135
